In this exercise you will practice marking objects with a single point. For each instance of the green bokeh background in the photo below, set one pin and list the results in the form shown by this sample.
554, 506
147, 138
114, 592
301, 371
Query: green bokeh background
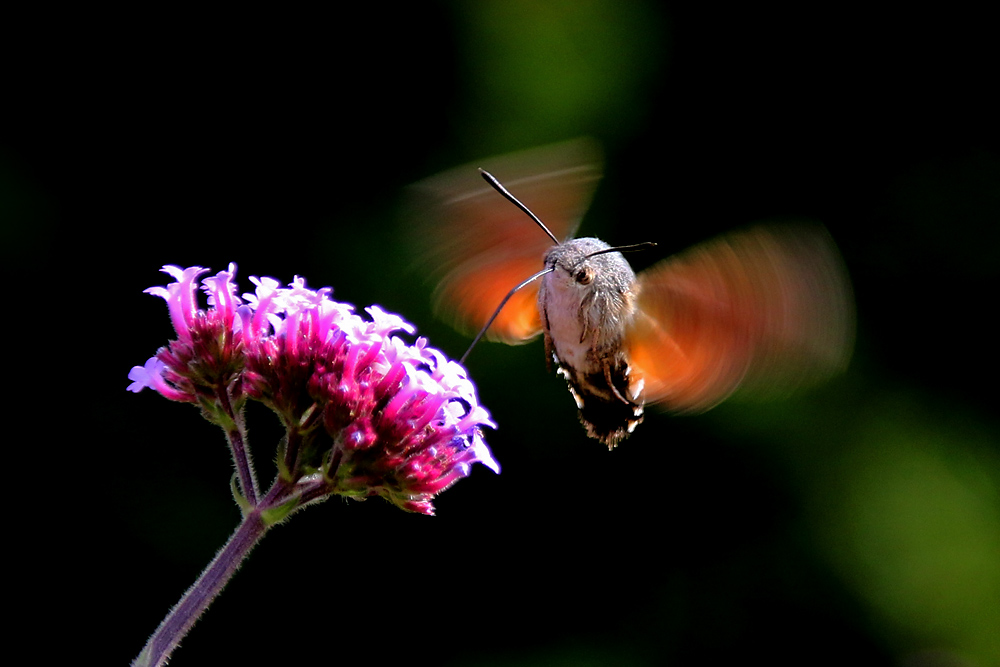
858, 523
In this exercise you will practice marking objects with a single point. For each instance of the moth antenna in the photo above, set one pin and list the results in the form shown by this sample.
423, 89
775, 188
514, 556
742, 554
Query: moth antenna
503, 303
645, 245
621, 248
491, 179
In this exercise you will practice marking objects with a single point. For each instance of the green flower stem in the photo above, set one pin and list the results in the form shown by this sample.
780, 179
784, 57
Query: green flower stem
236, 435
244, 465
197, 598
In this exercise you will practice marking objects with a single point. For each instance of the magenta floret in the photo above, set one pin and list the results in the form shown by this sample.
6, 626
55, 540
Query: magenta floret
377, 415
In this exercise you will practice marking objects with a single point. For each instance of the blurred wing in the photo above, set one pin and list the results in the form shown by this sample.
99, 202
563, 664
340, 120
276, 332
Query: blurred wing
769, 308
480, 246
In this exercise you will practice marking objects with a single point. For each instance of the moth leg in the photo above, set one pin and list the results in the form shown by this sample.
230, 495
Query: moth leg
607, 376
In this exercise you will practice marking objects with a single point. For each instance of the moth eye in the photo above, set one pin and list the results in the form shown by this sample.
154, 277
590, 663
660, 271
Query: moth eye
584, 276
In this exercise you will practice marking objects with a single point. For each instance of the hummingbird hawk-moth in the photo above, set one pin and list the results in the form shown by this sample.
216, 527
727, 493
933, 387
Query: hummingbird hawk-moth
768, 307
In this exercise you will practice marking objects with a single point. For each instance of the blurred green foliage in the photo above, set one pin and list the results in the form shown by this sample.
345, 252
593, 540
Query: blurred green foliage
534, 72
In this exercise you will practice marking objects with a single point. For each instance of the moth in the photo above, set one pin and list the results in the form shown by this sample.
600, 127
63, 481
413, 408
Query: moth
768, 308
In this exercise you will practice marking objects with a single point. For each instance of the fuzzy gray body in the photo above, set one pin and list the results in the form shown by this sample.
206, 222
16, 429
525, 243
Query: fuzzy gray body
586, 305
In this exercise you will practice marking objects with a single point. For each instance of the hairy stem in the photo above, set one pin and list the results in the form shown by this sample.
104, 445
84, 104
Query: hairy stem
197, 598
236, 435
244, 466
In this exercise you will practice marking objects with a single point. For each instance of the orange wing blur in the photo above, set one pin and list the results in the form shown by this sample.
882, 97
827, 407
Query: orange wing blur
769, 308
469, 295
480, 245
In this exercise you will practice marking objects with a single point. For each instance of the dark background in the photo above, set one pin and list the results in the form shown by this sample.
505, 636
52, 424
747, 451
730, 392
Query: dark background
858, 523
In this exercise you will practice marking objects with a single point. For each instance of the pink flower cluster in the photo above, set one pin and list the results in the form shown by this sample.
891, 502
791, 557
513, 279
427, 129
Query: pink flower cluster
370, 413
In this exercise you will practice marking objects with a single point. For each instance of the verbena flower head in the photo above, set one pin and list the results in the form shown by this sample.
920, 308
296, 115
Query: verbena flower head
206, 353
365, 412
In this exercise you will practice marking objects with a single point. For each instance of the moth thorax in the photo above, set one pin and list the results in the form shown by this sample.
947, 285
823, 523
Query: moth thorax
592, 296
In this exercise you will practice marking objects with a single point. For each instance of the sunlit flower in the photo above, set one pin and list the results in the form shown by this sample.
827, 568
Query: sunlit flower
206, 353
368, 412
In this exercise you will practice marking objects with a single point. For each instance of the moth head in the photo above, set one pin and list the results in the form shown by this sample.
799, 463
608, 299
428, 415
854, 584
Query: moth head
590, 265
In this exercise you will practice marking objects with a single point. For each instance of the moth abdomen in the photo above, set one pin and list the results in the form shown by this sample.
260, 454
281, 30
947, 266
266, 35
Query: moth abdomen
606, 401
